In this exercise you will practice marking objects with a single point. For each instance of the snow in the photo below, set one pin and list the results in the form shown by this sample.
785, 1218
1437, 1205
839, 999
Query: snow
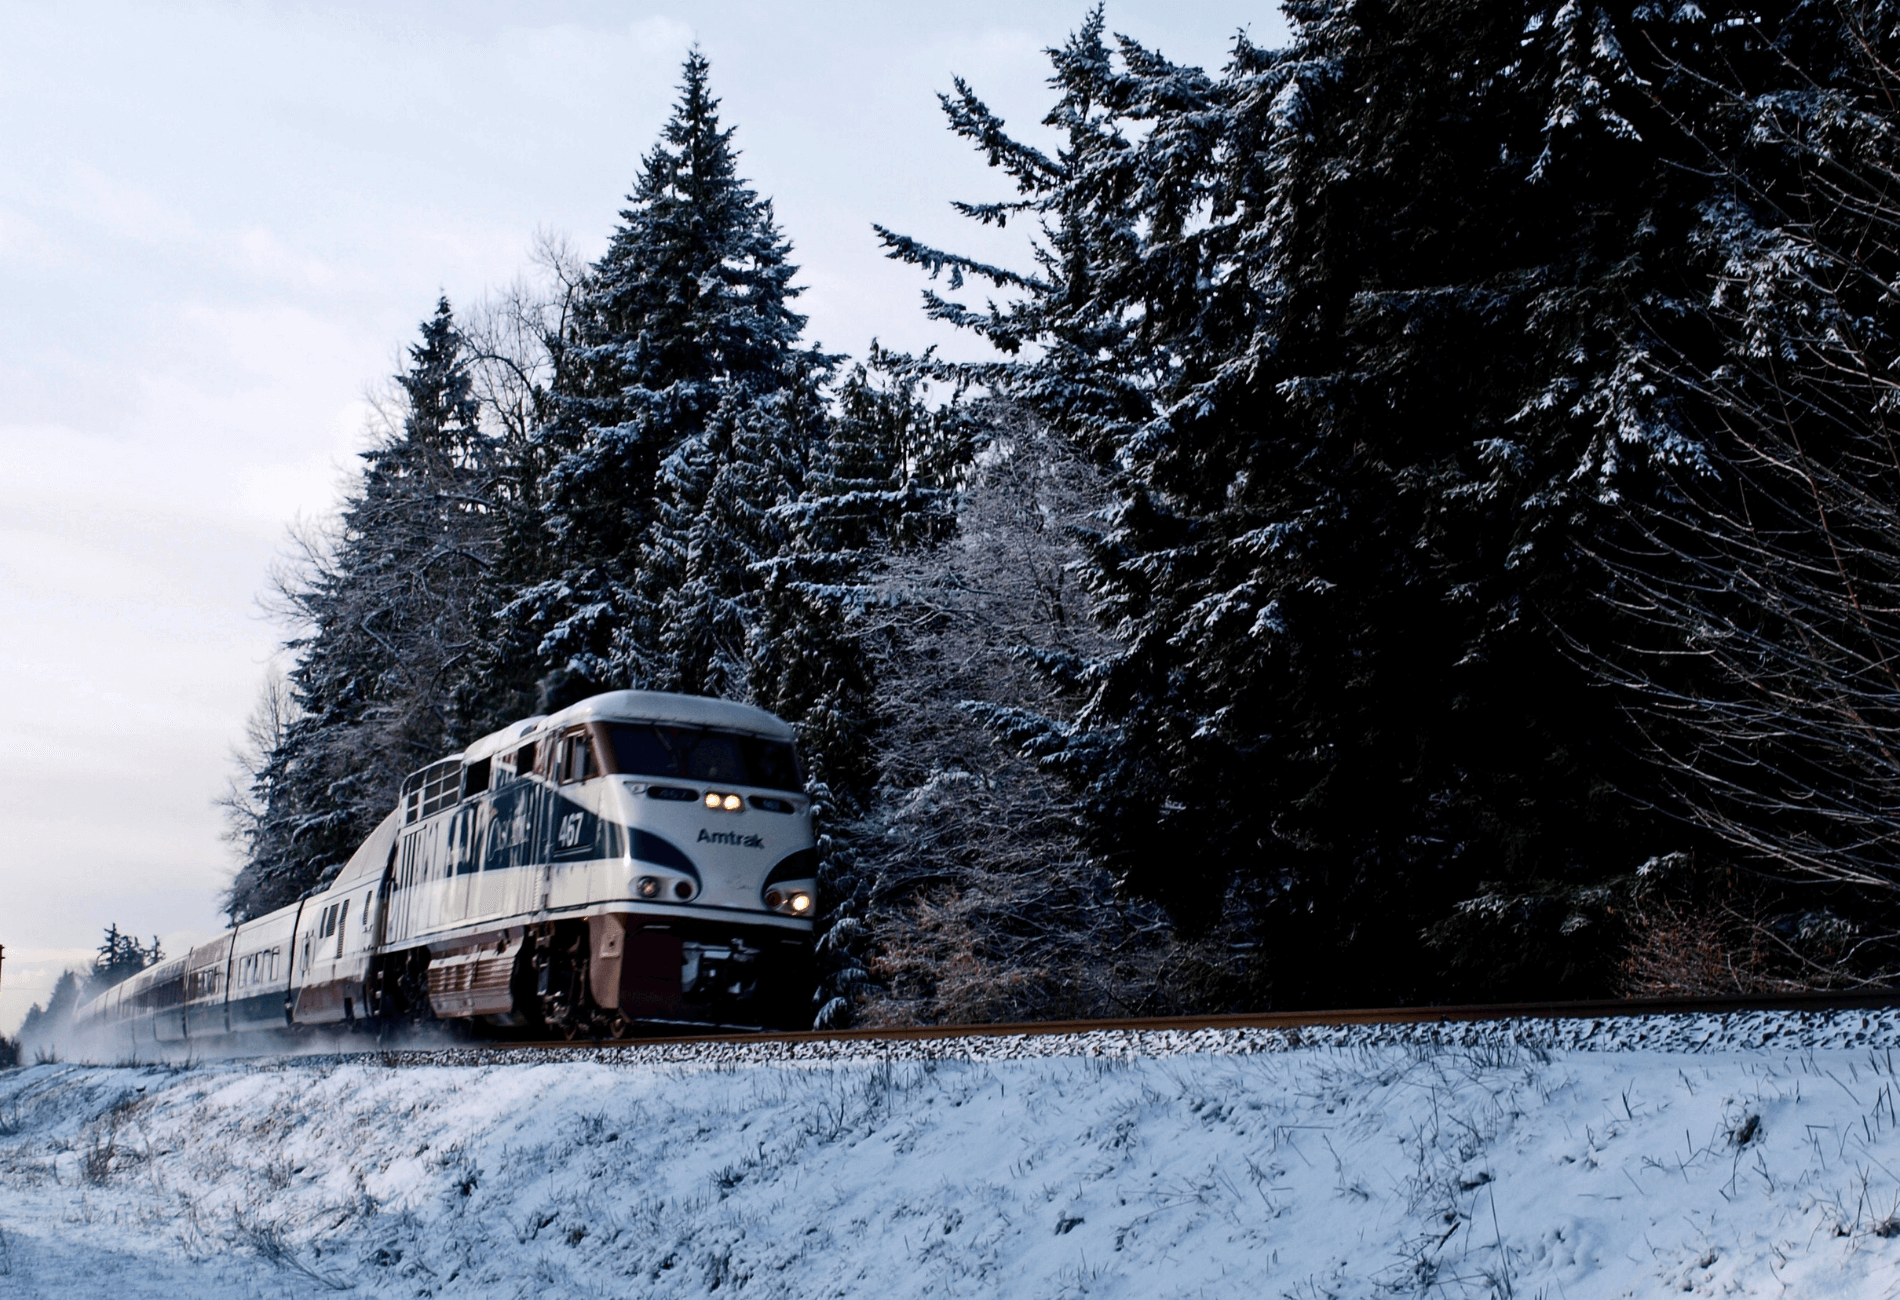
1746, 1155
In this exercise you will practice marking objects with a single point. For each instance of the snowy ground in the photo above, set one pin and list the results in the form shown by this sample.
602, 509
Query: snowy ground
1752, 1155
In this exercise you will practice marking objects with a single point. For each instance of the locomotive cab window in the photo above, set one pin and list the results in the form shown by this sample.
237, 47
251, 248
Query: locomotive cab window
577, 759
701, 754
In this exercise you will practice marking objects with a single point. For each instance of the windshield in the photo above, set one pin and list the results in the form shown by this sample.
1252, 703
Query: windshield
697, 754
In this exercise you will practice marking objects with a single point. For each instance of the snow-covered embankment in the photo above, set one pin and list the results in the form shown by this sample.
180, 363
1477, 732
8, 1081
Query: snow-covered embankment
1739, 1155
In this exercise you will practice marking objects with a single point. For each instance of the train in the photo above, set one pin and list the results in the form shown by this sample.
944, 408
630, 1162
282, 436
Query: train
639, 858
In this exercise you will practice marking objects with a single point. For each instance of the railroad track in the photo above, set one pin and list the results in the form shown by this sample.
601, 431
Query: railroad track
1818, 1003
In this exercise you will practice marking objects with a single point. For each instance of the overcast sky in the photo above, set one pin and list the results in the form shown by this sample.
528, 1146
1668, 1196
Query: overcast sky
218, 226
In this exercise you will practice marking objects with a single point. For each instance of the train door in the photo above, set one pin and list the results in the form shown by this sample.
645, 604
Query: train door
415, 892
385, 897
573, 819
535, 762
571, 826
230, 963
323, 981
357, 945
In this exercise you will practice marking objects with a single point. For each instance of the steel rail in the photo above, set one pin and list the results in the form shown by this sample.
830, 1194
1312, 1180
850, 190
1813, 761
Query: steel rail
1604, 1009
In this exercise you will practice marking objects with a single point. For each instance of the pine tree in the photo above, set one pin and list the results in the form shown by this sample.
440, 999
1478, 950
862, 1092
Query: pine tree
390, 608
120, 957
880, 482
1364, 327
722, 501
671, 384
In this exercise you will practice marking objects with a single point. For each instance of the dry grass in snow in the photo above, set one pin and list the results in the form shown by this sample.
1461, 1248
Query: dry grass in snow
1492, 1168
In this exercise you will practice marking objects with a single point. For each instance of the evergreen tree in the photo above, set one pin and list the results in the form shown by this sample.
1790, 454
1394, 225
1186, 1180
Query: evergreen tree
721, 497
674, 422
1763, 583
390, 608
120, 957
883, 481
1365, 328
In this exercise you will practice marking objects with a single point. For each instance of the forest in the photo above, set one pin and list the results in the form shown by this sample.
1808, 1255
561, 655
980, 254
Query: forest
1428, 528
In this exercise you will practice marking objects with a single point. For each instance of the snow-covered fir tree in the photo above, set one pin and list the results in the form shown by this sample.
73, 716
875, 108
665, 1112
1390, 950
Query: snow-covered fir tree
1427, 367
1764, 580
122, 956
387, 609
1366, 330
682, 410
882, 481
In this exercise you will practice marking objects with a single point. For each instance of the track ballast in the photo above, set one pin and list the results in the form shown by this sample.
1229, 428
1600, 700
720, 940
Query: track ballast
1662, 1024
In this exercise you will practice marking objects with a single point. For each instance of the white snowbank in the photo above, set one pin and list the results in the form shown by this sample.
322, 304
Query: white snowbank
1475, 1160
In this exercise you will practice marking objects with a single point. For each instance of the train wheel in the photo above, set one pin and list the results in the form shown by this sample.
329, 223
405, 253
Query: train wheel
560, 982
399, 990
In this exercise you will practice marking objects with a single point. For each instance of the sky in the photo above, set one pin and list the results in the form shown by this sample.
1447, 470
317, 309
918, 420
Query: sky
219, 226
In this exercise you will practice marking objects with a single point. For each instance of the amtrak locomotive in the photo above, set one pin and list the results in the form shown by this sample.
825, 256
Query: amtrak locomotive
637, 858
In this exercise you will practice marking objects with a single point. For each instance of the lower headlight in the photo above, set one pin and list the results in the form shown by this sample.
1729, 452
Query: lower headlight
647, 887
793, 902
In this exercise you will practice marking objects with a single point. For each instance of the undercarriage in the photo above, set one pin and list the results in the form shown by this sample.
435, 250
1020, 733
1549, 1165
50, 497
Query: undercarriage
611, 976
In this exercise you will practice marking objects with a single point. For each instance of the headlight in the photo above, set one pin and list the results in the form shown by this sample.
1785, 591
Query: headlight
796, 902
647, 887
712, 800
683, 889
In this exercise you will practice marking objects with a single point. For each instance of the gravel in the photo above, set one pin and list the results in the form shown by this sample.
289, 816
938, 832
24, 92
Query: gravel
1698, 1032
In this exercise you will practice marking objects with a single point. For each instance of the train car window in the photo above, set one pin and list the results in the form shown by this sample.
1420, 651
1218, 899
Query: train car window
475, 777
695, 754
429, 791
442, 788
576, 758
524, 759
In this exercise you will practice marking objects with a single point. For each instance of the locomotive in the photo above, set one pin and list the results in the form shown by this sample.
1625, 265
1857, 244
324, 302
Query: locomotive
637, 858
